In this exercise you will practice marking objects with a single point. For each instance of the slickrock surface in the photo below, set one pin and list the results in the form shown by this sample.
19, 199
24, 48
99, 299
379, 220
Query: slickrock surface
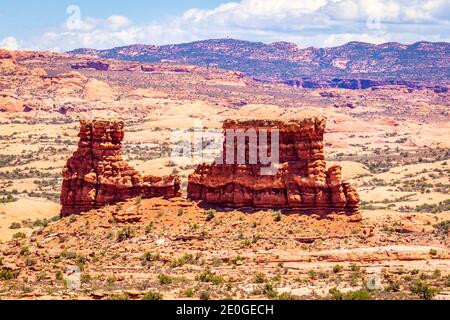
96, 174
301, 183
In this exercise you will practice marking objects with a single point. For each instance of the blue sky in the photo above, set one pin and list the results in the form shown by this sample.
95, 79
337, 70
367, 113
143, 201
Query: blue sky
19, 17
49, 25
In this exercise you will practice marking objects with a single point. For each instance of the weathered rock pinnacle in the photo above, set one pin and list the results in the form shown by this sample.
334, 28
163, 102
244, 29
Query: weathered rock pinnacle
96, 174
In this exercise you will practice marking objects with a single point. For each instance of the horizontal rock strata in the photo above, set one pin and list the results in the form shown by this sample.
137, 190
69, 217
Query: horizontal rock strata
301, 183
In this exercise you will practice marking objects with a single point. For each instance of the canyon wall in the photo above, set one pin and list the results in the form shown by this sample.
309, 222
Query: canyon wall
301, 183
96, 175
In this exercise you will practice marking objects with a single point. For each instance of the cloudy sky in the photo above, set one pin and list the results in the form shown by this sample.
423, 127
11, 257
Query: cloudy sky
61, 25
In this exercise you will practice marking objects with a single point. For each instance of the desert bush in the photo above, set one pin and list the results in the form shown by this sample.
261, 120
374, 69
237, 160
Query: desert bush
15, 226
210, 215
278, 216
125, 234
7, 274
269, 291
287, 296
392, 287
29, 262
150, 257
312, 275
149, 228
205, 295
119, 297
352, 295
260, 277
152, 296
208, 276
185, 259
338, 268
25, 251
189, 293
86, 278
165, 279
19, 235
68, 255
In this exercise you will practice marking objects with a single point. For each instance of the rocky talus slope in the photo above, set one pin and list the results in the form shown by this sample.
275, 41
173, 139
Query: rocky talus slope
301, 181
96, 174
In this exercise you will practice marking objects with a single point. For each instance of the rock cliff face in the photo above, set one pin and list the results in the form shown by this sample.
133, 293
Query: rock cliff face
96, 174
301, 182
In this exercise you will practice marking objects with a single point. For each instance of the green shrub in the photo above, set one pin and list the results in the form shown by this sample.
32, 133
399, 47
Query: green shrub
189, 293
125, 234
7, 274
287, 296
86, 278
278, 216
208, 276
447, 282
149, 228
210, 215
260, 278
204, 295
185, 259
338, 268
392, 287
152, 296
119, 297
423, 290
59, 275
269, 291
15, 226
312, 275
165, 279
29, 262
68, 255
352, 295
149, 257
25, 251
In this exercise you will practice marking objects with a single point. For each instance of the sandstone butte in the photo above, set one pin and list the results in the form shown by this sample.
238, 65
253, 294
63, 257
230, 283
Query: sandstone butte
96, 175
301, 184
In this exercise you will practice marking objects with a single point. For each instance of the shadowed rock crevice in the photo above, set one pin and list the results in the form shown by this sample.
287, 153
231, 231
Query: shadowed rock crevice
302, 183
96, 175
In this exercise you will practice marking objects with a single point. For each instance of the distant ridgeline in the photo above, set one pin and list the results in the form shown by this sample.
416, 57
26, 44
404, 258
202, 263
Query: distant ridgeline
355, 65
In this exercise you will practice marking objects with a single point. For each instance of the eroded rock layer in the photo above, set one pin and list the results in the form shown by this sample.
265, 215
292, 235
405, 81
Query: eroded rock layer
96, 174
301, 182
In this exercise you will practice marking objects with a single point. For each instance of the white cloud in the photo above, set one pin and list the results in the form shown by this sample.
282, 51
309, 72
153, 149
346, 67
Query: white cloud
307, 23
118, 22
9, 43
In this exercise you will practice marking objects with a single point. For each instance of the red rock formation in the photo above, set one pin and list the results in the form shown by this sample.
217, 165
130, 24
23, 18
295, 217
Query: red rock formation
96, 174
7, 57
302, 183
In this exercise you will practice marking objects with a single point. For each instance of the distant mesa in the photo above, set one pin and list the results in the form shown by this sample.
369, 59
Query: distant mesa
96, 175
301, 183
355, 65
